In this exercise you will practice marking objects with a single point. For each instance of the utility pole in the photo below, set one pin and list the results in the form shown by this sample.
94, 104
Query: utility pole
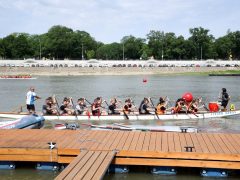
201, 52
82, 52
40, 49
162, 44
123, 52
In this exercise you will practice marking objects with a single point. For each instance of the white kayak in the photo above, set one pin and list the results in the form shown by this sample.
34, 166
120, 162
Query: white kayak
131, 117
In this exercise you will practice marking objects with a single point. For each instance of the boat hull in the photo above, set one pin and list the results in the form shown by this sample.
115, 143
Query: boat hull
132, 117
25, 122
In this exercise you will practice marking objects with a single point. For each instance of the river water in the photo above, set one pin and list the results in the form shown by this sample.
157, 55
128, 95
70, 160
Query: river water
13, 94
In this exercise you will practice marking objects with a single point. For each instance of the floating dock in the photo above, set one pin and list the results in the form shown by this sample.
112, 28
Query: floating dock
90, 152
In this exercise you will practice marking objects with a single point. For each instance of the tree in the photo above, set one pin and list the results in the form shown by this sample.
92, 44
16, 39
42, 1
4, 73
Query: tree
110, 51
82, 43
235, 41
58, 42
17, 46
202, 42
156, 43
132, 47
1, 49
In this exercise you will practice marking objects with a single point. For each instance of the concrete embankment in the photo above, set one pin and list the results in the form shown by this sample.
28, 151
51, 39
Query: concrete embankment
79, 71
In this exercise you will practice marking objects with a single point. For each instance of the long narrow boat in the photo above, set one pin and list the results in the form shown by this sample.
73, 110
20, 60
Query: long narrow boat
144, 128
131, 117
17, 77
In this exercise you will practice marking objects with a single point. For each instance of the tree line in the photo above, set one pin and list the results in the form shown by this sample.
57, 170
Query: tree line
61, 42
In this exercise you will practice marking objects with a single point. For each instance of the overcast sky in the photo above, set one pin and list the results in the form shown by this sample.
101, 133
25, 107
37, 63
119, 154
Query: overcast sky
109, 20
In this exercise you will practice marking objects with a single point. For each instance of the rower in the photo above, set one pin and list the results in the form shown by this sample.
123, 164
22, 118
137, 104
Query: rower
161, 107
48, 108
97, 107
66, 108
192, 107
144, 107
81, 106
180, 104
113, 106
127, 108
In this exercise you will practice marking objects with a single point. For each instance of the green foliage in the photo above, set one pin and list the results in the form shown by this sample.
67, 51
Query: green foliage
110, 51
61, 42
132, 47
90, 54
1, 49
17, 46
156, 43
202, 42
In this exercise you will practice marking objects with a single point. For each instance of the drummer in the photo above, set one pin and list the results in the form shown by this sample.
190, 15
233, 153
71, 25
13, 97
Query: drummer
224, 99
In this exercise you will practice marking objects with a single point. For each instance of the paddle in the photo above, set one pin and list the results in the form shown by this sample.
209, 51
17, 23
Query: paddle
188, 107
56, 102
124, 113
74, 107
88, 102
154, 107
204, 105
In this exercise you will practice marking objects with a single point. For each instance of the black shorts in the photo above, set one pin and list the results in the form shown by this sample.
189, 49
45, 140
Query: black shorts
30, 107
224, 104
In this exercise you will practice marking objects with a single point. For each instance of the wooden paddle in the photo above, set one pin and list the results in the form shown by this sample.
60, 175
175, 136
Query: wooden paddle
74, 107
154, 107
187, 109
56, 102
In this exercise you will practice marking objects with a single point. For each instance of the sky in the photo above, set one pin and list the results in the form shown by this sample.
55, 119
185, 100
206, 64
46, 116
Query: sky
110, 20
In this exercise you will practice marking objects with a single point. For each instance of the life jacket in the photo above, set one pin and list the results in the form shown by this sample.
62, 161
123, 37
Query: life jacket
177, 109
127, 108
144, 110
96, 112
160, 109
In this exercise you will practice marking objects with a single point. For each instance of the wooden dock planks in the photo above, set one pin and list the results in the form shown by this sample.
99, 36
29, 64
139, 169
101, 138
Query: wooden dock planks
88, 165
146, 147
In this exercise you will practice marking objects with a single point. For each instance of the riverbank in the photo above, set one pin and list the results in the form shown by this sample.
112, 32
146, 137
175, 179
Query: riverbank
81, 71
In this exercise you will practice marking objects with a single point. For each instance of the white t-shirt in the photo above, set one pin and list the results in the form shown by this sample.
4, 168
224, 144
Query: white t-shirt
30, 97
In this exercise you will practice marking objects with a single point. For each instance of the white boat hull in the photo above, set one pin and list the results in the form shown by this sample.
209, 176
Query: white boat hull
132, 117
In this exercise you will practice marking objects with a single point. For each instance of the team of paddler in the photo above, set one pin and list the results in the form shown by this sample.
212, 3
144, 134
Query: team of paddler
116, 107
185, 104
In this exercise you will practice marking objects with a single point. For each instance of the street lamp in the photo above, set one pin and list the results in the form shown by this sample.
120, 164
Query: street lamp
82, 52
162, 53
